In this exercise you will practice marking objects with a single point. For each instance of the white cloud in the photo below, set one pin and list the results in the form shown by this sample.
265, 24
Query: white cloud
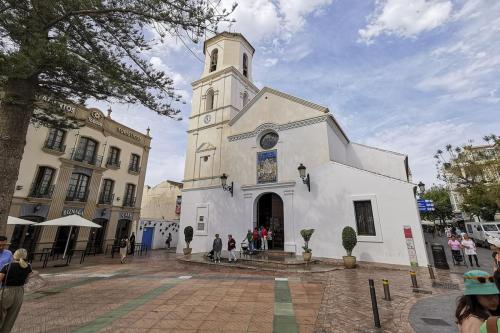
270, 20
158, 64
405, 18
420, 141
163, 167
270, 62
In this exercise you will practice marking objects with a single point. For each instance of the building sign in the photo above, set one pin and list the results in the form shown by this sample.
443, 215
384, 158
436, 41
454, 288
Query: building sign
95, 118
126, 215
267, 167
425, 205
63, 106
410, 245
128, 133
72, 211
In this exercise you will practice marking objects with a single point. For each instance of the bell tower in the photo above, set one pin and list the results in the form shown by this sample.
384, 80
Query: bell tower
224, 88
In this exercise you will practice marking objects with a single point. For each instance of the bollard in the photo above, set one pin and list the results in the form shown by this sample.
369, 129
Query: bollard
431, 272
376, 318
387, 292
414, 279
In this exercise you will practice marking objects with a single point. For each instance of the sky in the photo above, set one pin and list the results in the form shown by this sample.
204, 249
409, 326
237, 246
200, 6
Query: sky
404, 75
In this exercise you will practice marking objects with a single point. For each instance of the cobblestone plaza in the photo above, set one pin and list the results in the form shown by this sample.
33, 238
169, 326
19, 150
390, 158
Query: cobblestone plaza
157, 293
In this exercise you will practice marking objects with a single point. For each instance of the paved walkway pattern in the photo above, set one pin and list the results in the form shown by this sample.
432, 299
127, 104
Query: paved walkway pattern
160, 294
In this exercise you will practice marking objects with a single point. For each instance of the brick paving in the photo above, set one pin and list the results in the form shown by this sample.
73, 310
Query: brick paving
160, 294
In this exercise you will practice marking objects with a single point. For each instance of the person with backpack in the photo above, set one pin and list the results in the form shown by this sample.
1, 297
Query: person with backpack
13, 276
479, 301
123, 249
169, 239
231, 247
217, 247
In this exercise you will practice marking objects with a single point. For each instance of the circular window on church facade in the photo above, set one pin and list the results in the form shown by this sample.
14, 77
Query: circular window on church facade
269, 140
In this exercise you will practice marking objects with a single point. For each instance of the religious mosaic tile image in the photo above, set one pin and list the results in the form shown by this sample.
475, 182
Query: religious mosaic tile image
267, 167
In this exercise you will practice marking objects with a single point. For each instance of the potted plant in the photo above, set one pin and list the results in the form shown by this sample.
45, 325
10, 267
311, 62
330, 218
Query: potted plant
188, 237
349, 241
306, 234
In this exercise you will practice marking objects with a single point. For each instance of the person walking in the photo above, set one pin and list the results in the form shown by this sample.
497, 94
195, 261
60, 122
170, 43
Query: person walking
264, 238
250, 240
123, 249
13, 276
217, 247
132, 244
480, 299
169, 240
231, 247
470, 249
454, 245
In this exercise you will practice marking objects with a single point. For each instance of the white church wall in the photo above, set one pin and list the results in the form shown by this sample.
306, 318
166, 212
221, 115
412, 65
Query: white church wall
329, 208
160, 234
337, 146
377, 160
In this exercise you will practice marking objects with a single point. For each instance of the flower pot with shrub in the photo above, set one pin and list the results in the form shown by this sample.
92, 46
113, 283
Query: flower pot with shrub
306, 234
188, 237
349, 241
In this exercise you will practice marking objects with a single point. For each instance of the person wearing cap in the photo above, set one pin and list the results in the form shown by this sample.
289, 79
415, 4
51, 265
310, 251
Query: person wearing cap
479, 300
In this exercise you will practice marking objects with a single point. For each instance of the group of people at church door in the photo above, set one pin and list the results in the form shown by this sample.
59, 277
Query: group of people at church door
258, 239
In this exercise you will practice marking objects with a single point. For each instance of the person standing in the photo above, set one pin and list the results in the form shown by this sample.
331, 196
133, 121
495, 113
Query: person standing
250, 240
255, 237
123, 249
217, 247
470, 249
231, 247
169, 239
13, 276
270, 237
264, 238
132, 244
5, 255
454, 245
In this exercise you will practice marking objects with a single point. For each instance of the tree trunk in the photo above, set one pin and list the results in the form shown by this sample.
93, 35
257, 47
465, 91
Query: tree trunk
16, 109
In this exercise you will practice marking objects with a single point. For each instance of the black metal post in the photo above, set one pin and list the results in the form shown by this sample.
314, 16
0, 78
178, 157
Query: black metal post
387, 292
414, 279
431, 272
376, 318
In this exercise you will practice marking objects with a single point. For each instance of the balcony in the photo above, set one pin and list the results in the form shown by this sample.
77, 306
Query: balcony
129, 202
77, 196
134, 169
51, 148
38, 191
80, 156
106, 198
113, 164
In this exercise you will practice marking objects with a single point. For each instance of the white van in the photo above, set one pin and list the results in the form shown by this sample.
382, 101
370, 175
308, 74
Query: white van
479, 231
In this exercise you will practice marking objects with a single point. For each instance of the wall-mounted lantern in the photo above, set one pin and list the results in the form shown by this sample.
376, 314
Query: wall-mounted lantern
305, 179
225, 187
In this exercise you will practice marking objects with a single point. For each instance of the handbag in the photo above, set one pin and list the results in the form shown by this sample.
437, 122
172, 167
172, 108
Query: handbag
491, 325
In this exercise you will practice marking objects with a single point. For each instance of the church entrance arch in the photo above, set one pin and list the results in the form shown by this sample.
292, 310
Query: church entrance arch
269, 213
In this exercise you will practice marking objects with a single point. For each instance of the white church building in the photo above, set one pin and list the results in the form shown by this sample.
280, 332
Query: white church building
258, 138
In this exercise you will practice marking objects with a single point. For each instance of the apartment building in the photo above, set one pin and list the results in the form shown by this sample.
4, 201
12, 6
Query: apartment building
96, 171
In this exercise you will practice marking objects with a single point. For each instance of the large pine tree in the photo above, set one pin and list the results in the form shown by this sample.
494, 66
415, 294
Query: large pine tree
73, 50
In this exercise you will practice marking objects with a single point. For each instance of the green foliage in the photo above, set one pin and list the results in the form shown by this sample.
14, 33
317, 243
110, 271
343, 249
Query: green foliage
442, 204
474, 173
188, 235
349, 239
306, 235
72, 51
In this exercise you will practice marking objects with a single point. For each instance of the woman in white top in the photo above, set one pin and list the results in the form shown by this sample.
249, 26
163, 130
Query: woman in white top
470, 249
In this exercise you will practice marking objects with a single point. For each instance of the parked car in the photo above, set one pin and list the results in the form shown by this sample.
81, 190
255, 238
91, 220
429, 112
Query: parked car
479, 231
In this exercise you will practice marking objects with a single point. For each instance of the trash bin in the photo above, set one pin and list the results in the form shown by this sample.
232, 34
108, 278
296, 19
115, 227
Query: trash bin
439, 256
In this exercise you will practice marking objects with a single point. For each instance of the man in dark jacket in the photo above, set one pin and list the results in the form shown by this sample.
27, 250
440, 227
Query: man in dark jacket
132, 243
231, 247
217, 247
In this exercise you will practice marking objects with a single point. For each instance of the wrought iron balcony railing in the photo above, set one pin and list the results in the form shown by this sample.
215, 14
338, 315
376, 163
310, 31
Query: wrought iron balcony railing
39, 191
129, 202
106, 198
81, 156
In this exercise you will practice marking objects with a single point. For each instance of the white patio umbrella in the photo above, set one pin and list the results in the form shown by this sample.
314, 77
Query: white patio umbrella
69, 221
17, 220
